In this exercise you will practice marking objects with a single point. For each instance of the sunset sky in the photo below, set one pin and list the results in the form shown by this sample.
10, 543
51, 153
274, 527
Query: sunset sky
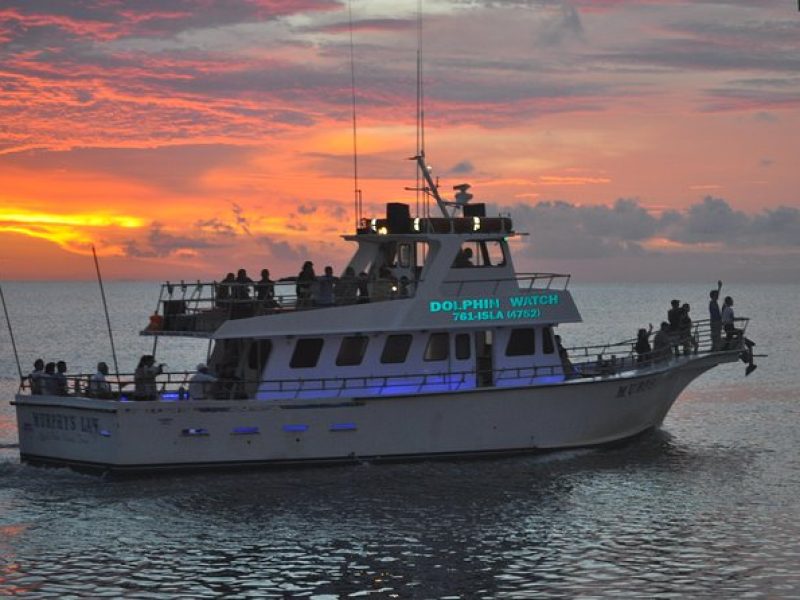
635, 140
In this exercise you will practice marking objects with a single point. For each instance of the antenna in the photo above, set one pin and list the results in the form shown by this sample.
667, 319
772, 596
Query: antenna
357, 205
420, 150
11, 334
105, 308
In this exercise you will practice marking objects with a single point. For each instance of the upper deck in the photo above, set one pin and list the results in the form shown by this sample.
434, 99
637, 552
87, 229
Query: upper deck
444, 273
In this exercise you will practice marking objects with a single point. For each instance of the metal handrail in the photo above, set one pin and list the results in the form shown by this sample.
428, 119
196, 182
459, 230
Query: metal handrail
197, 307
607, 360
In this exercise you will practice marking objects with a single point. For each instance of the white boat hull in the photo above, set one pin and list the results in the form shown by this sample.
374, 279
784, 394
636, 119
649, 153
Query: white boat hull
142, 436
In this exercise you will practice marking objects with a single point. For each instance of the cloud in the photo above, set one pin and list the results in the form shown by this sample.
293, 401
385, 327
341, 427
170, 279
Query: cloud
561, 230
464, 167
160, 243
176, 168
283, 251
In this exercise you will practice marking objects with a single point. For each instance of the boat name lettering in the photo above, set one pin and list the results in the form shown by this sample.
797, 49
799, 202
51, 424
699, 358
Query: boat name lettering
466, 304
635, 388
65, 422
533, 300
492, 309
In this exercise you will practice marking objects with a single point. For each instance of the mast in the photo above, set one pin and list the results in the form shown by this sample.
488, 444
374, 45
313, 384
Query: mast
11, 334
105, 308
357, 205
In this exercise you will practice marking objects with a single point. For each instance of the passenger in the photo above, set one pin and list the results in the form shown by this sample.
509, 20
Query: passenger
346, 289
303, 287
265, 290
464, 259
734, 334
687, 339
385, 287
36, 377
200, 383
156, 322
363, 287
229, 386
98, 385
49, 387
241, 289
674, 318
325, 286
144, 378
661, 343
644, 353
225, 291
566, 364
61, 384
242, 307
404, 287
715, 318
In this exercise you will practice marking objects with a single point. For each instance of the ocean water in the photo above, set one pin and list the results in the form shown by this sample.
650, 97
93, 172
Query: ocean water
706, 507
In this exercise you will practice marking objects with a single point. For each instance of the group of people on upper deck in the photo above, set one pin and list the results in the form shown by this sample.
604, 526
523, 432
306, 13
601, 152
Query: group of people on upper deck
311, 290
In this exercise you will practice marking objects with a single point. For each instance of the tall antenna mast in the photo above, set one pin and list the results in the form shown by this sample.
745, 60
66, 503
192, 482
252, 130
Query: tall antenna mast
356, 190
420, 151
105, 309
11, 335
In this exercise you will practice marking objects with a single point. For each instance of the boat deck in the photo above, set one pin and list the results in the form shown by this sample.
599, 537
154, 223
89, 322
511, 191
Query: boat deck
586, 362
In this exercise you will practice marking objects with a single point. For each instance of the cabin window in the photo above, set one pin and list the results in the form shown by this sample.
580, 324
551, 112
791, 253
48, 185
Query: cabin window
521, 342
465, 257
404, 256
462, 346
306, 353
396, 348
437, 348
258, 354
352, 350
548, 347
492, 254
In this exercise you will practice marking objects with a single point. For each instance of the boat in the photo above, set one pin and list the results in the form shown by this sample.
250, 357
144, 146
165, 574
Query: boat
438, 348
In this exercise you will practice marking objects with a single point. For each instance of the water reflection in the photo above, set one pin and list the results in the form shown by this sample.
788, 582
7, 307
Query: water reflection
634, 520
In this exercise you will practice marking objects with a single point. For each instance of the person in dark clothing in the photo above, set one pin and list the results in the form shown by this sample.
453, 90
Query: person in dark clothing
224, 290
674, 320
265, 290
734, 334
661, 343
687, 340
644, 353
35, 378
715, 318
61, 386
363, 287
305, 282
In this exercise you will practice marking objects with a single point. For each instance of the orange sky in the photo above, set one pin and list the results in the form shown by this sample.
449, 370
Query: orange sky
190, 142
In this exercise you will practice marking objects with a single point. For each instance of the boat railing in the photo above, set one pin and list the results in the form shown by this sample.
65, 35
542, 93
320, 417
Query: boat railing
199, 308
699, 339
604, 360
523, 282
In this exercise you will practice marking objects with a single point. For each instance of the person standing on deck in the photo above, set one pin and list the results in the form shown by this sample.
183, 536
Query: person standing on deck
144, 378
662, 343
98, 385
715, 318
305, 280
734, 333
35, 378
60, 378
326, 284
200, 383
